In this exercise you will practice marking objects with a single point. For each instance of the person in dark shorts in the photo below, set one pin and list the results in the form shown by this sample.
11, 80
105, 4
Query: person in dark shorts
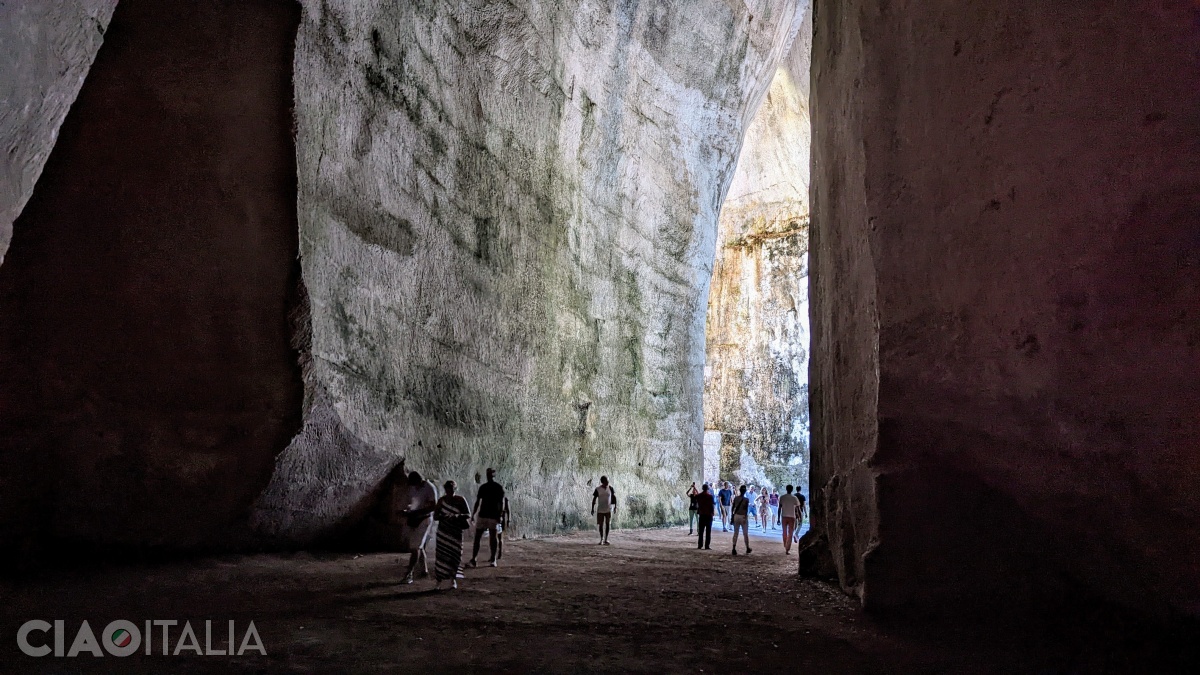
705, 506
724, 500
741, 518
692, 494
489, 509
604, 504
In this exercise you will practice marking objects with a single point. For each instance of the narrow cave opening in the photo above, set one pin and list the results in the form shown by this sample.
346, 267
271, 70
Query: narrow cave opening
757, 334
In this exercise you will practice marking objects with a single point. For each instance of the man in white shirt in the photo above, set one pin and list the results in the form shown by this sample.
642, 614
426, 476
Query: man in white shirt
604, 504
417, 502
789, 512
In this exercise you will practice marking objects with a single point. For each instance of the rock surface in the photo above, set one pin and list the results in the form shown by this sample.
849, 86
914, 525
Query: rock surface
507, 221
507, 214
147, 379
757, 328
46, 48
506, 217
1006, 266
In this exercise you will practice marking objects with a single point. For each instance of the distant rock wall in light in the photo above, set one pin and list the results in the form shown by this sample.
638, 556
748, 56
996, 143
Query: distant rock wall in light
756, 377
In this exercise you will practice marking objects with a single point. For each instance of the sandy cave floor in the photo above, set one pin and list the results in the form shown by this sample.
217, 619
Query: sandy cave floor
650, 602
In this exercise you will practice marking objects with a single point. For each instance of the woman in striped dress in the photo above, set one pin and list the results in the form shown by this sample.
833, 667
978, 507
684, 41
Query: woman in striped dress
453, 516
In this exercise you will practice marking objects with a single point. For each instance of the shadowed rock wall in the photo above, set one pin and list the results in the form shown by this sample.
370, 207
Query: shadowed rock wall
1006, 265
507, 216
146, 375
756, 375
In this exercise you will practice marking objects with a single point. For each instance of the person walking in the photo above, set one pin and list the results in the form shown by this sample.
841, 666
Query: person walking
604, 505
724, 499
453, 517
705, 506
500, 531
789, 512
774, 508
418, 500
752, 495
489, 508
692, 492
764, 508
741, 510
801, 514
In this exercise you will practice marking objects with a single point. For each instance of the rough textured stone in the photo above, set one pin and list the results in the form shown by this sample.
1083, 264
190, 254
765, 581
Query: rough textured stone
1006, 265
757, 328
507, 216
146, 375
46, 48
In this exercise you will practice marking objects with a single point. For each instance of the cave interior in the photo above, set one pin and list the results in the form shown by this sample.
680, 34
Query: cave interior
937, 263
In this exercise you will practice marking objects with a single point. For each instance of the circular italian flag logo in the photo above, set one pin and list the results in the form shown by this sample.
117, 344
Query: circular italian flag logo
121, 638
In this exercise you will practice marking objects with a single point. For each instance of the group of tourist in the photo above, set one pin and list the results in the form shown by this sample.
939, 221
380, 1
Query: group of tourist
417, 506
749, 506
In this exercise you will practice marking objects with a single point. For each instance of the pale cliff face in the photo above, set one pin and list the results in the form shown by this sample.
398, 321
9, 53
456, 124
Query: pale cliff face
756, 384
46, 48
508, 215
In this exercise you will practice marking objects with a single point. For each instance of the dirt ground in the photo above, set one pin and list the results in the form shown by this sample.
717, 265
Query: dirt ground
650, 602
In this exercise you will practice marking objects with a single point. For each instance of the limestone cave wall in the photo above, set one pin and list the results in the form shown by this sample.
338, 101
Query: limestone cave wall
1006, 266
507, 217
46, 48
757, 328
504, 215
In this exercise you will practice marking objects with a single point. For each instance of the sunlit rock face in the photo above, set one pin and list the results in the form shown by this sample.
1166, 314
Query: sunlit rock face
756, 377
46, 48
507, 220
